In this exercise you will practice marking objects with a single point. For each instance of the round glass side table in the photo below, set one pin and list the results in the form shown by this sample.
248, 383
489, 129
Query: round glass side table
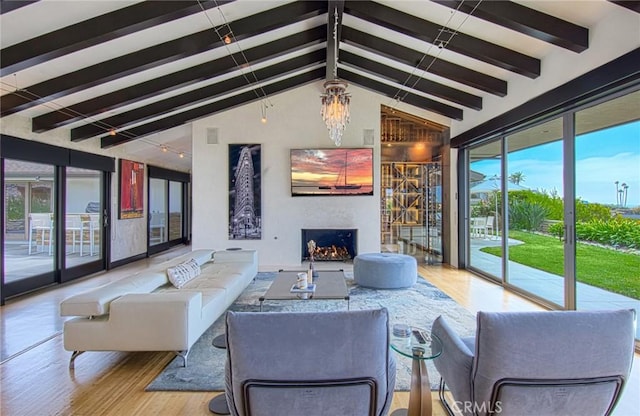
419, 345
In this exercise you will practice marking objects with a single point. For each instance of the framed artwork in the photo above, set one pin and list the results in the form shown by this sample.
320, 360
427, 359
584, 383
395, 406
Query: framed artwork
245, 192
131, 183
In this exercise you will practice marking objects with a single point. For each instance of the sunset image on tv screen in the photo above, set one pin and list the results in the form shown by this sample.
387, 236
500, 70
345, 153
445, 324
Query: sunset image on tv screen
331, 172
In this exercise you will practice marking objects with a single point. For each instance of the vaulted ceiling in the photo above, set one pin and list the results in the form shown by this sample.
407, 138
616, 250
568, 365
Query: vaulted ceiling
122, 71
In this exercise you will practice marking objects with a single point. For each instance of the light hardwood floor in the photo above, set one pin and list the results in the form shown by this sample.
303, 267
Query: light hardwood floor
37, 381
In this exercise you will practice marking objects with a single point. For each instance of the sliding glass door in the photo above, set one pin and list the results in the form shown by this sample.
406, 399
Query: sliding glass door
167, 207
29, 219
157, 211
34, 223
607, 226
165, 210
569, 189
534, 202
175, 210
484, 219
83, 218
53, 215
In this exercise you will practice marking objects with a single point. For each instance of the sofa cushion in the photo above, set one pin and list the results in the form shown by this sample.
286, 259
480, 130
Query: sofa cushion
95, 302
202, 256
230, 276
182, 273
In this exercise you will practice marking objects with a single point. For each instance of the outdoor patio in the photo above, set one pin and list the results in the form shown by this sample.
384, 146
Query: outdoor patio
19, 264
546, 285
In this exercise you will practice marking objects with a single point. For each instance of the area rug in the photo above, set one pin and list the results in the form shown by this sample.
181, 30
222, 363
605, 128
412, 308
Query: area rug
418, 306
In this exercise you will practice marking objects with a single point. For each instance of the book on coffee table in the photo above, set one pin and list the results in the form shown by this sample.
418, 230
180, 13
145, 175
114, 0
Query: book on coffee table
310, 289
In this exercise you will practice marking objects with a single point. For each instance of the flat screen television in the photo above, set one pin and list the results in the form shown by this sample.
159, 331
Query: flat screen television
332, 171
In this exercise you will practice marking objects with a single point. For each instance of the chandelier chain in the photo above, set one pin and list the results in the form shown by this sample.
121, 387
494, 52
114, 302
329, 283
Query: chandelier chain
335, 43
335, 100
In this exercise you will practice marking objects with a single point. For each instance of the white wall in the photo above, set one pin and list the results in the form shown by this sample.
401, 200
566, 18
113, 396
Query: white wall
294, 121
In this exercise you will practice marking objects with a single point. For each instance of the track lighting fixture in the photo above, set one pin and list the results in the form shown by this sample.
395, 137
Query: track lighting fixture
263, 108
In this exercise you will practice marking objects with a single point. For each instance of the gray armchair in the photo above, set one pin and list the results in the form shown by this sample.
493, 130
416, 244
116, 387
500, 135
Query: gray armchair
325, 363
538, 363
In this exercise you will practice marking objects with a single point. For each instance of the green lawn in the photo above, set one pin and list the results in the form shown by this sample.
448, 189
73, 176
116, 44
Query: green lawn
608, 269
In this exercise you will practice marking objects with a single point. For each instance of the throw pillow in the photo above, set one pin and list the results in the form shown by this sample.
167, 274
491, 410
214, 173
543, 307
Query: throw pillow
182, 273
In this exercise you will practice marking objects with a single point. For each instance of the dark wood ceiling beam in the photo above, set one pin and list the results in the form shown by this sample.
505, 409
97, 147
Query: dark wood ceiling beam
404, 96
418, 83
458, 42
138, 115
96, 30
7, 6
629, 4
334, 7
209, 109
156, 55
525, 20
180, 79
414, 58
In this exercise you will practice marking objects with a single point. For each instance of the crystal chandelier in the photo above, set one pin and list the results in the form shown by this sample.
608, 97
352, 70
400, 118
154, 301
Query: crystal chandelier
335, 100
335, 109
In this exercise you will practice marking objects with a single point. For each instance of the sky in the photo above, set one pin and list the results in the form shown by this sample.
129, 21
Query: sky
602, 158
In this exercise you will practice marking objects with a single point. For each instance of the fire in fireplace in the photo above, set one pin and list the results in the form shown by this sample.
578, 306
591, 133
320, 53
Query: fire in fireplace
331, 244
332, 253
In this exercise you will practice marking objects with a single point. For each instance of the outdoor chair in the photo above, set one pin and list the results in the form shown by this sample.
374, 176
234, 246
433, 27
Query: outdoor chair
309, 363
488, 227
40, 227
479, 226
156, 228
94, 233
558, 363
73, 227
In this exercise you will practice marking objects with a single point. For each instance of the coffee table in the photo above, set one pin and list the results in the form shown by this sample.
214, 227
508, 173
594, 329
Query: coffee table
424, 346
330, 284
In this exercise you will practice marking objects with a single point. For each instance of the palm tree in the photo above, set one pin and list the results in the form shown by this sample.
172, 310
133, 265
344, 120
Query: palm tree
620, 197
625, 187
617, 194
516, 177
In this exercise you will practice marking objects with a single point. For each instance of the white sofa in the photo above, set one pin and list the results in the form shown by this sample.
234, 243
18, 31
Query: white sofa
145, 312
